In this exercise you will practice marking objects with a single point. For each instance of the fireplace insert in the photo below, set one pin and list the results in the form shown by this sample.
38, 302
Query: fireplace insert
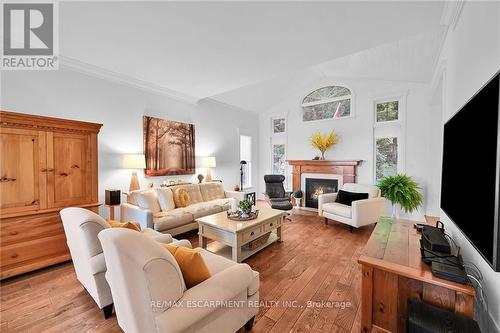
317, 186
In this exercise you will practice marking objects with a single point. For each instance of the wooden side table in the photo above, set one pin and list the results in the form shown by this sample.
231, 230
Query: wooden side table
112, 211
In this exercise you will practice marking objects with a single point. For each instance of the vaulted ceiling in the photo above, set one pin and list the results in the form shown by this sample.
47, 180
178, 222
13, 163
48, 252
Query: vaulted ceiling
233, 51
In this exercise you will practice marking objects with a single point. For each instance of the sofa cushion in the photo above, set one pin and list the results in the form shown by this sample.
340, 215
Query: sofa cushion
171, 219
181, 197
211, 191
165, 198
203, 209
337, 209
225, 203
373, 191
193, 191
147, 200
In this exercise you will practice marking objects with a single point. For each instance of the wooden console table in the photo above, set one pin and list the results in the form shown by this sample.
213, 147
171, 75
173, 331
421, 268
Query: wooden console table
392, 272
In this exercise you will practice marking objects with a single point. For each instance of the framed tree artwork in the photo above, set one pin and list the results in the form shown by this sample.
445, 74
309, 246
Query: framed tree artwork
168, 147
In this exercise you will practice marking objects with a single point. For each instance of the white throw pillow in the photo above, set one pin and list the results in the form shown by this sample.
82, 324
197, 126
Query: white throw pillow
148, 200
166, 198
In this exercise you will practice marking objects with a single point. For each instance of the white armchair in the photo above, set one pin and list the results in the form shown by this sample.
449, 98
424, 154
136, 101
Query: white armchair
150, 294
362, 212
81, 227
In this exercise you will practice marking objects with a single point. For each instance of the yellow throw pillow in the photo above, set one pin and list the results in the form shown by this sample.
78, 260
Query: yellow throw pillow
128, 225
193, 267
181, 197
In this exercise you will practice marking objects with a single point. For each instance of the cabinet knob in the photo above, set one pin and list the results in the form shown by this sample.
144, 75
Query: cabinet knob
271, 224
14, 255
64, 174
252, 233
13, 232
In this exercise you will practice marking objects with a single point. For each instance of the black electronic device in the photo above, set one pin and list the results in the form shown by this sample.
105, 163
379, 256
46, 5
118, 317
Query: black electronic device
112, 197
481, 226
434, 239
449, 272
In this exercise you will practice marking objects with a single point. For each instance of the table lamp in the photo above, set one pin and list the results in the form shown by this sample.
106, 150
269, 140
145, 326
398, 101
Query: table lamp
208, 162
134, 162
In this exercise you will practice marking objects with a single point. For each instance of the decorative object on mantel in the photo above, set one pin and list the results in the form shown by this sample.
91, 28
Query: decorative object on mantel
401, 190
169, 147
316, 158
298, 197
208, 162
323, 142
200, 178
134, 162
151, 185
237, 188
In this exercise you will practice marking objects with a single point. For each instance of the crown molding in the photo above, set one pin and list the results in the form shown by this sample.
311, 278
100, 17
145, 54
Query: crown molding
224, 104
102, 73
451, 13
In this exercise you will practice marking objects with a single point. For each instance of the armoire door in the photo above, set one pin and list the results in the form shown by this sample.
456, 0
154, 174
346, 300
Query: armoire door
69, 159
23, 170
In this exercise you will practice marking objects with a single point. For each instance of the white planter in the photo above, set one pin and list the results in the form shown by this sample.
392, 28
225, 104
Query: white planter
297, 202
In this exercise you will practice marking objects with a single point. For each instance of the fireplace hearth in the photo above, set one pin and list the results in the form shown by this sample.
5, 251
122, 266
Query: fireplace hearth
316, 186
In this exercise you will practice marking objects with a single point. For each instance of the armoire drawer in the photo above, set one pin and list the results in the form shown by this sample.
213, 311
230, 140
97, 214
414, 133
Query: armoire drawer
24, 229
27, 253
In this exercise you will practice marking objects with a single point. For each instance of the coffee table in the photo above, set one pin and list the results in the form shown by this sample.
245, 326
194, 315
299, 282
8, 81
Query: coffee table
230, 236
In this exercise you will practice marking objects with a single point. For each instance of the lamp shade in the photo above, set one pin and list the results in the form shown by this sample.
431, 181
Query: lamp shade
208, 162
134, 161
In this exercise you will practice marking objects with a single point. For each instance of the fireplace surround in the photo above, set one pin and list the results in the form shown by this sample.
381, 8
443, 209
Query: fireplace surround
316, 186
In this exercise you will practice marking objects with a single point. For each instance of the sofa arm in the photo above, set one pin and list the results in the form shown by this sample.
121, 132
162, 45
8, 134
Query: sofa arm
206, 297
238, 195
323, 199
129, 212
182, 242
367, 211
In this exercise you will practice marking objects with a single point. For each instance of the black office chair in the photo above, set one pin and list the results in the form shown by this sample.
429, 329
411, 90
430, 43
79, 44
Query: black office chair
276, 195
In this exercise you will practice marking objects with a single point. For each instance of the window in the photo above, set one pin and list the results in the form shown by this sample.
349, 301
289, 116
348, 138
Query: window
278, 125
279, 161
387, 111
246, 155
327, 103
386, 151
388, 137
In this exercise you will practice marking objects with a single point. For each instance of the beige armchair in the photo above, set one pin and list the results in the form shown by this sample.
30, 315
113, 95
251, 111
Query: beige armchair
362, 212
150, 294
81, 227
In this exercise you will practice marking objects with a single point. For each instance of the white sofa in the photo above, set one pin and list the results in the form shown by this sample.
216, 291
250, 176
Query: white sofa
81, 227
362, 212
150, 294
155, 208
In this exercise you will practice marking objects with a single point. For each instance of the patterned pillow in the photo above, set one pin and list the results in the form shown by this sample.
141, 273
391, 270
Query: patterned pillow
181, 198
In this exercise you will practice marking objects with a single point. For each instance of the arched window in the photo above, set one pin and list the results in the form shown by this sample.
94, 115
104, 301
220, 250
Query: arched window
327, 103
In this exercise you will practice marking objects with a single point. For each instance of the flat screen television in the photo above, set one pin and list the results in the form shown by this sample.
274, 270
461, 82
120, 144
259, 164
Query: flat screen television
470, 173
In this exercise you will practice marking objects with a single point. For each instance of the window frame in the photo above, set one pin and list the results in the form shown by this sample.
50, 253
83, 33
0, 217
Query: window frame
243, 132
330, 100
279, 139
392, 128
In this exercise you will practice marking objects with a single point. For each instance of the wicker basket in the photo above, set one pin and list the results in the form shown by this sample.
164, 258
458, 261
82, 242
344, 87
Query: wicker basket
252, 245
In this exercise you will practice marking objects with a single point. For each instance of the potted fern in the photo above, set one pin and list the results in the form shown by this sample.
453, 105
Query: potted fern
401, 190
323, 142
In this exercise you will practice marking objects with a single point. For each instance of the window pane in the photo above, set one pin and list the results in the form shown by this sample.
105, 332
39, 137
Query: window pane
387, 111
279, 159
326, 93
279, 125
245, 148
247, 175
387, 157
337, 109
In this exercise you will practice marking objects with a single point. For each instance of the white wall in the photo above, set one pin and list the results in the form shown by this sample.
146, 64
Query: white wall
72, 95
355, 133
471, 55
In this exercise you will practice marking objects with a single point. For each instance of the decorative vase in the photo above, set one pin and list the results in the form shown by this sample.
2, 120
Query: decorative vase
245, 213
395, 211
297, 202
322, 156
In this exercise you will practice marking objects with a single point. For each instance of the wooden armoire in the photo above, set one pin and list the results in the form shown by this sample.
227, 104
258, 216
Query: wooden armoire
46, 164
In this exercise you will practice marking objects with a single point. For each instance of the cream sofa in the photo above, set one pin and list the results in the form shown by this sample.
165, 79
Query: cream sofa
81, 227
362, 212
155, 208
150, 294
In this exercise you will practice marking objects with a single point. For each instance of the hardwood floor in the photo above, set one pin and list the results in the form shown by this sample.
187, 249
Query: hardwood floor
315, 263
